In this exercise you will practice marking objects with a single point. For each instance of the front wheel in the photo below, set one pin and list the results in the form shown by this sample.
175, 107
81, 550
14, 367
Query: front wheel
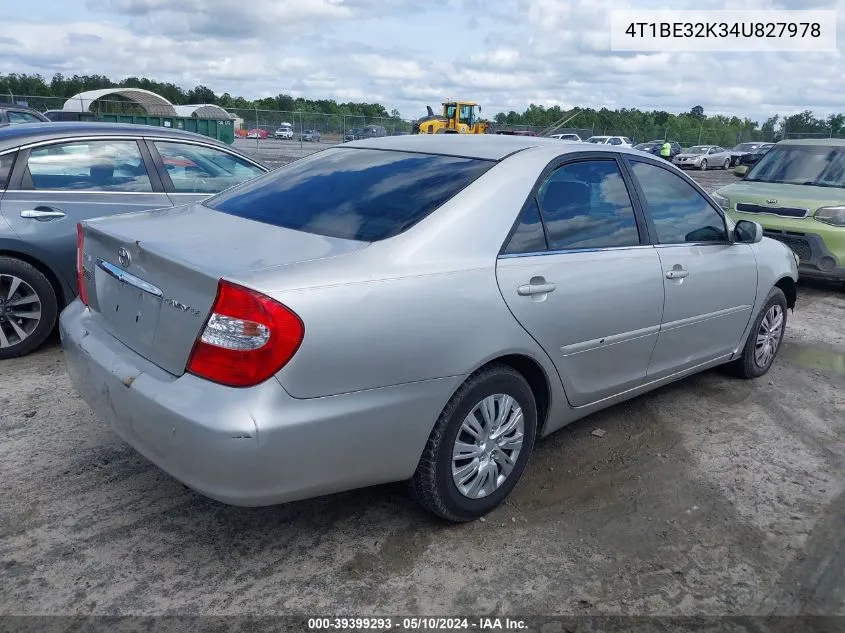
479, 446
703, 165
727, 164
28, 308
765, 339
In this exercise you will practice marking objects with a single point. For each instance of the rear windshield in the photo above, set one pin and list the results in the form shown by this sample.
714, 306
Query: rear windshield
356, 194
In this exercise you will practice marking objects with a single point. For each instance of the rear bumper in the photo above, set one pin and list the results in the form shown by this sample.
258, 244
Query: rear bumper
249, 447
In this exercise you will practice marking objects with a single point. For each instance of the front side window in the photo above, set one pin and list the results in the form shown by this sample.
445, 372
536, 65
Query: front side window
88, 165
679, 212
355, 194
586, 205
200, 169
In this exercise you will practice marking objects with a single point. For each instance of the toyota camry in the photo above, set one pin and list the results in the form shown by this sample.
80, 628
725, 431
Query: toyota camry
416, 308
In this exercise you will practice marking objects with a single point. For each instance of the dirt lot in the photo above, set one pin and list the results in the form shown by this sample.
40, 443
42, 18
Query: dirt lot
711, 496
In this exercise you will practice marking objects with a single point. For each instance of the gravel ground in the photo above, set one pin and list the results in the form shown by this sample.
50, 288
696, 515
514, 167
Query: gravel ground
711, 496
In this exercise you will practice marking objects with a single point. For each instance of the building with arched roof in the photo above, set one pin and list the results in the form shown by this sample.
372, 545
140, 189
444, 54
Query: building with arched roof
204, 111
150, 102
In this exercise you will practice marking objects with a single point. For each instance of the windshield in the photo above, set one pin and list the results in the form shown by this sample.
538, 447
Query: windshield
698, 149
597, 139
746, 147
818, 165
354, 194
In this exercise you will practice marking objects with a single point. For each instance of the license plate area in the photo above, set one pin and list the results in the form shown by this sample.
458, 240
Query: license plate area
130, 304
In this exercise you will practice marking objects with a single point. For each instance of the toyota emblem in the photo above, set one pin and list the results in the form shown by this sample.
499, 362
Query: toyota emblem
123, 257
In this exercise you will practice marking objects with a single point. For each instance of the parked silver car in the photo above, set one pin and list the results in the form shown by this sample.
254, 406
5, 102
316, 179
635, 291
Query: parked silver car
53, 175
703, 156
412, 308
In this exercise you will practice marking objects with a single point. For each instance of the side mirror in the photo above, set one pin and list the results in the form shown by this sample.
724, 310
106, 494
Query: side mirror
740, 171
747, 232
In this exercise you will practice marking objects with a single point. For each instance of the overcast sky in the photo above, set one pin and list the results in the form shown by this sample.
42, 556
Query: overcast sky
407, 54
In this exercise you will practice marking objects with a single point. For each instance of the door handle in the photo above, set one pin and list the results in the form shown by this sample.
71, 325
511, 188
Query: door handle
676, 274
42, 213
535, 289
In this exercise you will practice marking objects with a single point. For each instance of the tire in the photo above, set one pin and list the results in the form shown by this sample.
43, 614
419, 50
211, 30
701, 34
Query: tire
727, 164
703, 166
433, 484
748, 365
30, 284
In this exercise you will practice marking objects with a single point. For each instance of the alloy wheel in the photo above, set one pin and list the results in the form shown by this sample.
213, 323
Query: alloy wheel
487, 446
769, 336
20, 310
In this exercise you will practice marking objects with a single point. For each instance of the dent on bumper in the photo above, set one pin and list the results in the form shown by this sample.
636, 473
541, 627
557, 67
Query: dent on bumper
255, 446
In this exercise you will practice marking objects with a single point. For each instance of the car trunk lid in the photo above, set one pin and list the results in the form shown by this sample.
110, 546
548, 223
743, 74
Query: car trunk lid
153, 275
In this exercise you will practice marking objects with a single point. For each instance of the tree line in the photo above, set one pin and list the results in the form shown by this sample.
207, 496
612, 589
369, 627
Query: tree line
63, 87
689, 127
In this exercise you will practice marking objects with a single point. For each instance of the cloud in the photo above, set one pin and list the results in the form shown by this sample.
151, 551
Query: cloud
409, 54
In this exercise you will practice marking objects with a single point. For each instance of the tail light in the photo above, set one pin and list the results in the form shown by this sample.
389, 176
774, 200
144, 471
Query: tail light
247, 338
80, 271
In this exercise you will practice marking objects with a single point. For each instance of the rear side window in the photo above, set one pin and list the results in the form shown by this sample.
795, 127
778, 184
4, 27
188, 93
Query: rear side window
356, 194
6, 161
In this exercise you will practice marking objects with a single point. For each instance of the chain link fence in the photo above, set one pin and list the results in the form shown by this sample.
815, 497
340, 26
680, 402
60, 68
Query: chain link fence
253, 129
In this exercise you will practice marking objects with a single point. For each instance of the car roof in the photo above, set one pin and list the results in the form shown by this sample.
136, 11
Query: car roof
831, 142
482, 146
24, 133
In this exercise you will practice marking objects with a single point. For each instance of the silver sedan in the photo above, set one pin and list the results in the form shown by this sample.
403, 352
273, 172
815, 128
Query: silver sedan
413, 308
704, 157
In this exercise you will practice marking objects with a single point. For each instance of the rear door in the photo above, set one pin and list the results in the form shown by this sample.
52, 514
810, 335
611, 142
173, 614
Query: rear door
55, 185
710, 282
192, 172
580, 276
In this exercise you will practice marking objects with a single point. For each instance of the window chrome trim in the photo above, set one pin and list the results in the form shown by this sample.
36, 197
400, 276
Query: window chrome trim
681, 244
125, 137
572, 251
87, 191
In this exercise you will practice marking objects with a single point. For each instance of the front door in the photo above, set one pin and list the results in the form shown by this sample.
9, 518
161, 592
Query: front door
710, 282
580, 279
57, 185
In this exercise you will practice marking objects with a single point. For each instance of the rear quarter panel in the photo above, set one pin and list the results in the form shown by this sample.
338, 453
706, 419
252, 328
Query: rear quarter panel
387, 332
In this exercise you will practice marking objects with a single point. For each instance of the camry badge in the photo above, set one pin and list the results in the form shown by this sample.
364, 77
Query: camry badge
123, 257
772, 201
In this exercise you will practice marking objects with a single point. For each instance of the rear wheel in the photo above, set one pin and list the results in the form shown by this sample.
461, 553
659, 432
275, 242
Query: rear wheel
479, 446
28, 307
765, 339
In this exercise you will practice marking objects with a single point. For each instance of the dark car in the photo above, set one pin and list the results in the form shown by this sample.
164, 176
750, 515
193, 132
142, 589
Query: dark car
373, 131
352, 135
738, 151
53, 175
750, 158
653, 147
13, 115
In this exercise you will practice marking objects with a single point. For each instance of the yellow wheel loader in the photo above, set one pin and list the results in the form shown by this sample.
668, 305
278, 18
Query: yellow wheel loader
459, 117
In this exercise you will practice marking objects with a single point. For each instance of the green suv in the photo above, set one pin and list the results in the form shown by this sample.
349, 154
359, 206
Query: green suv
797, 192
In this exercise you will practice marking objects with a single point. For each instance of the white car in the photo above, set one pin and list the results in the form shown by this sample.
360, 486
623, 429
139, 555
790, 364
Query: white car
285, 131
567, 137
619, 141
704, 156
